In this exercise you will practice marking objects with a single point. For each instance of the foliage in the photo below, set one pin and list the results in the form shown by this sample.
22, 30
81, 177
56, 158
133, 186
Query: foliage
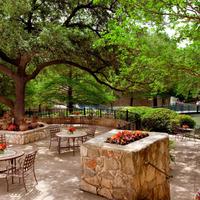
122, 44
158, 120
153, 119
122, 114
85, 90
186, 120
140, 110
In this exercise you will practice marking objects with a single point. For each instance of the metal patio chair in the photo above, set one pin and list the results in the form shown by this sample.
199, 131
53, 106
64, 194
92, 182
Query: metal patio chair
25, 166
53, 129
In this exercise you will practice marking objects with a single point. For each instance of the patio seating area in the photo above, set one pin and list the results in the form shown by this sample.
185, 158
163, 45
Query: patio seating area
61, 179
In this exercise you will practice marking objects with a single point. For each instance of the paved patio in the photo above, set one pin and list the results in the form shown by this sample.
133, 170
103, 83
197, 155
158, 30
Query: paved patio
58, 175
186, 169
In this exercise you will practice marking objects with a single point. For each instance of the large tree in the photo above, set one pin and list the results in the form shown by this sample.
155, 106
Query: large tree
36, 34
103, 38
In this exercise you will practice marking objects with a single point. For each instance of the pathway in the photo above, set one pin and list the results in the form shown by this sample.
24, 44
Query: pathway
59, 175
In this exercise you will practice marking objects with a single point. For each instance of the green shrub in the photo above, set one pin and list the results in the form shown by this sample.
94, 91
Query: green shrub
186, 120
158, 119
155, 119
140, 110
132, 117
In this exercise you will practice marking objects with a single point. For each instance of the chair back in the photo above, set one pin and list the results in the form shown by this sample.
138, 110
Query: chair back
29, 161
53, 129
91, 131
2, 139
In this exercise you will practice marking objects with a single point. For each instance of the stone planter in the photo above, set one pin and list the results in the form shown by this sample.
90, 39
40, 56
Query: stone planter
121, 172
25, 137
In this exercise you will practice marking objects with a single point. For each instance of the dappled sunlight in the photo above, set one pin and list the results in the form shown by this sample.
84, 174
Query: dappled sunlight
185, 170
59, 174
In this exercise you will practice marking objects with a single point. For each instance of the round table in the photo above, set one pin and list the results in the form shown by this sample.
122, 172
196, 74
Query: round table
11, 155
74, 137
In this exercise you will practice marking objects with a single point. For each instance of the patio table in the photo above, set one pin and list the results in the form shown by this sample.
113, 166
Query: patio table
74, 137
11, 155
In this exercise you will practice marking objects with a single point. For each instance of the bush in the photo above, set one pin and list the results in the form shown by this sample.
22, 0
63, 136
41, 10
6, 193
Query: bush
155, 119
158, 119
186, 120
139, 110
121, 114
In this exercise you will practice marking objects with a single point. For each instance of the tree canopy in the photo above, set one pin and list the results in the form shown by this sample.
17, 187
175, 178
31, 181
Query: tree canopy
122, 44
51, 88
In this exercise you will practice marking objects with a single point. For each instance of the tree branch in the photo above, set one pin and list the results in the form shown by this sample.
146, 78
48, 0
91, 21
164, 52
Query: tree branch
7, 71
189, 71
4, 57
82, 26
75, 10
57, 62
6, 101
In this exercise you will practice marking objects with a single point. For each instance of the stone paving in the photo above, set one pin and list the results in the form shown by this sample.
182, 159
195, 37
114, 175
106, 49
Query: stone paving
59, 175
186, 169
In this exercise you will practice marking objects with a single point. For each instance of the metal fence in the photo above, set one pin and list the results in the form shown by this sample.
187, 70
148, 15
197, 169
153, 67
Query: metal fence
128, 116
183, 108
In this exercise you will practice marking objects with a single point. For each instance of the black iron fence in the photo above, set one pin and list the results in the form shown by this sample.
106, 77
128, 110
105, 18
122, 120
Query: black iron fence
128, 116
132, 118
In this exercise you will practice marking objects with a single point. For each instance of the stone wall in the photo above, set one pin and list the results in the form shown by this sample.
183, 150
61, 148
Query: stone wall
25, 137
121, 172
86, 120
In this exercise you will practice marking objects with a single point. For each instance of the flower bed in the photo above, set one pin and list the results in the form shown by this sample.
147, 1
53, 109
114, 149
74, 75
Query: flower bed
126, 137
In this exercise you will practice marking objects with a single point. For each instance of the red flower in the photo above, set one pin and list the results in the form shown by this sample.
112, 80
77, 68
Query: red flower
12, 127
125, 137
71, 129
2, 147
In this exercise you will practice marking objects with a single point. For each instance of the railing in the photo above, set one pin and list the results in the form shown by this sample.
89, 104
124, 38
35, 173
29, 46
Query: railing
183, 108
158, 169
128, 116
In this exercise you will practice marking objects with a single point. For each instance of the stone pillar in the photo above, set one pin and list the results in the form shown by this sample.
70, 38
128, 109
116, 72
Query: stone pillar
122, 173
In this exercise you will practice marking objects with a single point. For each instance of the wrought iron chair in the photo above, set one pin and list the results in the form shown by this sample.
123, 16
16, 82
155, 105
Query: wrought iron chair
24, 167
53, 129
90, 132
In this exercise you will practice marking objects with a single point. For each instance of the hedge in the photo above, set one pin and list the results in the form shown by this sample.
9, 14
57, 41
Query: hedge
156, 119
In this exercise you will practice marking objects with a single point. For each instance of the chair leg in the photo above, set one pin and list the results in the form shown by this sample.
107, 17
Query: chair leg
24, 183
7, 184
35, 175
50, 144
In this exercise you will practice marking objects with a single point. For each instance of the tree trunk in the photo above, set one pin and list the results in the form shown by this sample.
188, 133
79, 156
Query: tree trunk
70, 93
19, 106
70, 101
155, 101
